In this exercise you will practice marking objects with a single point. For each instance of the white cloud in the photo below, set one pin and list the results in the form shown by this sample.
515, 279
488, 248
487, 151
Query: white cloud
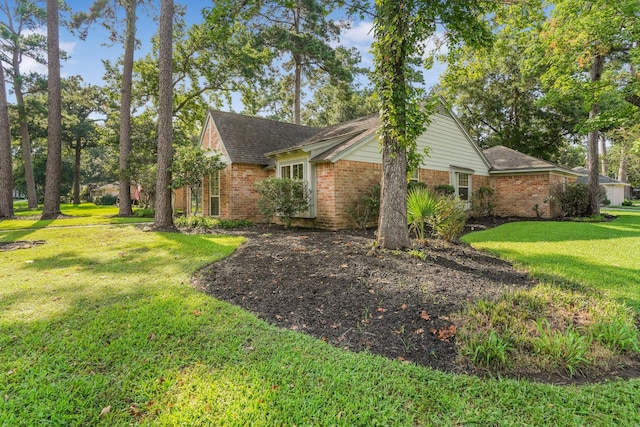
29, 65
358, 35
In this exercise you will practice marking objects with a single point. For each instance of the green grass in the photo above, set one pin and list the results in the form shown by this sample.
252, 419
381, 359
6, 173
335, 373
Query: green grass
83, 214
103, 319
604, 256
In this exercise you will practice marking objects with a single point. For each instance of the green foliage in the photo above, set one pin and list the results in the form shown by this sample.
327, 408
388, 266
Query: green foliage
627, 202
488, 351
144, 213
573, 198
209, 223
190, 165
422, 206
618, 335
449, 219
283, 198
497, 92
546, 329
107, 199
564, 349
444, 189
367, 207
482, 202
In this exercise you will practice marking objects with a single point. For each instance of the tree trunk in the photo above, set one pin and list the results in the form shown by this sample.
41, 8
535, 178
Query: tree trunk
604, 169
622, 165
297, 76
6, 171
297, 92
51, 207
392, 224
592, 141
124, 190
76, 171
30, 181
163, 219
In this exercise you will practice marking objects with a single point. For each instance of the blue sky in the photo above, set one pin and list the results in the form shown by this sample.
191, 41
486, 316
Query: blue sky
86, 56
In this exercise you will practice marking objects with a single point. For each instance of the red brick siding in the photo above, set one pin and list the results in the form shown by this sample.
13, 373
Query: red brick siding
516, 195
339, 187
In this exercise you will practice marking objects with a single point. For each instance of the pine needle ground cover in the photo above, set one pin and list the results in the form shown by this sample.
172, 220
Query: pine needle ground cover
100, 326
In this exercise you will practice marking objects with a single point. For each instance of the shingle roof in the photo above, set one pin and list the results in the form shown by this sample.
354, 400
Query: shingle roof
338, 137
602, 179
503, 159
247, 138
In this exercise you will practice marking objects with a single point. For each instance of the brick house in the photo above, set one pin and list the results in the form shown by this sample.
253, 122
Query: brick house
342, 162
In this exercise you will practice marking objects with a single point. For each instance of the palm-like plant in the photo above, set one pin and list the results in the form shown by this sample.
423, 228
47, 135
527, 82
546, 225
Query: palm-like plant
422, 204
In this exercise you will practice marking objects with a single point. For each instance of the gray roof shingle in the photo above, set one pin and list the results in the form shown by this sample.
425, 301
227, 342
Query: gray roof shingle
602, 179
248, 138
502, 158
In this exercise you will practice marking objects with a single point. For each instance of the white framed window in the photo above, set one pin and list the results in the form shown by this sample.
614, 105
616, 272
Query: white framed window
214, 194
414, 175
463, 186
292, 171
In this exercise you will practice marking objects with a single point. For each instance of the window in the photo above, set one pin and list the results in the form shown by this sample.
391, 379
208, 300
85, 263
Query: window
214, 194
414, 175
295, 171
463, 186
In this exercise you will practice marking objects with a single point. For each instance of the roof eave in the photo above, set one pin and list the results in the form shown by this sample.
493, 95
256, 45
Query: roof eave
531, 170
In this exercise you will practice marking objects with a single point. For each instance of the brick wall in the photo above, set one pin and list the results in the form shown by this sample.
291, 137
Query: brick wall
516, 195
240, 197
339, 186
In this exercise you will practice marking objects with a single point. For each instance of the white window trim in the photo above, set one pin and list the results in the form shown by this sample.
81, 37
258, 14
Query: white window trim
455, 173
308, 176
211, 195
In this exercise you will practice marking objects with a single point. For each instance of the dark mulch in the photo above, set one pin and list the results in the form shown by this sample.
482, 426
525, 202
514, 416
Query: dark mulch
335, 286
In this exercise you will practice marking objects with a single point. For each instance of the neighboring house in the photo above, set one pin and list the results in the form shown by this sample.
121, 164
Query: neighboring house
105, 190
341, 163
615, 189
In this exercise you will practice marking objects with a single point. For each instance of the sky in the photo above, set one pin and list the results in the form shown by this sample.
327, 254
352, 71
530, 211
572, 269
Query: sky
85, 57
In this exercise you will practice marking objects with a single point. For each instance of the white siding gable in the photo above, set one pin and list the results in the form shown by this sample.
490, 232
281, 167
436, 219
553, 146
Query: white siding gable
448, 146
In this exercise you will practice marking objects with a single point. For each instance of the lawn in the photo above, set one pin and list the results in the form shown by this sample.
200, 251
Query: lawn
100, 326
599, 255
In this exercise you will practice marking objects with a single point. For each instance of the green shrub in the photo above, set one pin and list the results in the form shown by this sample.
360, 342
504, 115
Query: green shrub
444, 189
144, 213
627, 202
366, 207
573, 198
449, 219
422, 205
282, 197
106, 200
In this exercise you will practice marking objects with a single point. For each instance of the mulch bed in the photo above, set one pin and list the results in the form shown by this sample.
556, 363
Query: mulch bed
336, 287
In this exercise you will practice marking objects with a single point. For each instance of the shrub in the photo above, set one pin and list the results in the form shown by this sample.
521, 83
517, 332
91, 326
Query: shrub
449, 219
144, 213
366, 207
445, 189
483, 204
627, 202
105, 200
282, 197
573, 198
209, 223
422, 205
